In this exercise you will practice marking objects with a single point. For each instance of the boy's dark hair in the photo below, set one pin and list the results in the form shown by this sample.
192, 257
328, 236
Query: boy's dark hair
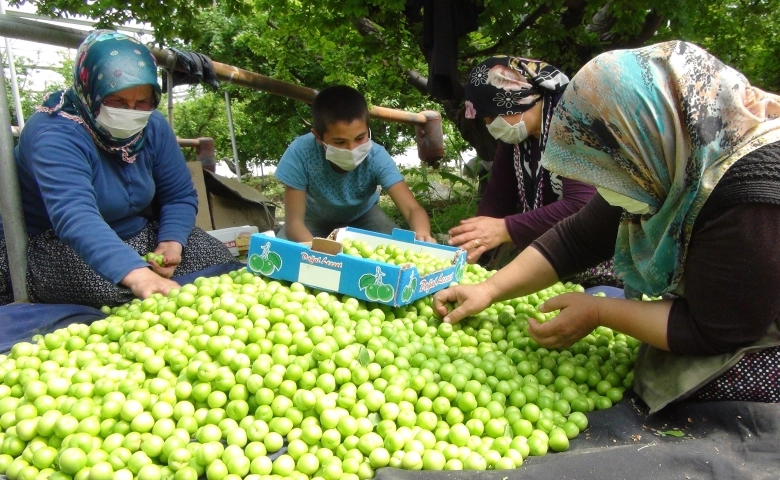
338, 103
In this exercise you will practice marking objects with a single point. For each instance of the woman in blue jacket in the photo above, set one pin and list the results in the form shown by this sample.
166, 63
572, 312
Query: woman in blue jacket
103, 182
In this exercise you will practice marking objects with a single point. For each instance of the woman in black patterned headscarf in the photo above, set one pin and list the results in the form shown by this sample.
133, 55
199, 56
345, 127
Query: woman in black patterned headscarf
516, 97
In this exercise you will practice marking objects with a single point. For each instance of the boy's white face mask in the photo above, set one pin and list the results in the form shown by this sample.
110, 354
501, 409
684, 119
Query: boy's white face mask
122, 122
347, 159
500, 129
629, 204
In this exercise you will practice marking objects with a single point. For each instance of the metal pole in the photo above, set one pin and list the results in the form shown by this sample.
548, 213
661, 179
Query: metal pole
170, 97
232, 136
12, 68
14, 227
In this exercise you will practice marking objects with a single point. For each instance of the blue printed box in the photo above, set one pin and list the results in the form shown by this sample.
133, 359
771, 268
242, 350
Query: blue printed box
322, 265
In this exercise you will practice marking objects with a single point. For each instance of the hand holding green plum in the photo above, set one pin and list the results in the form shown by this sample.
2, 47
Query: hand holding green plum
579, 315
171, 254
152, 257
470, 299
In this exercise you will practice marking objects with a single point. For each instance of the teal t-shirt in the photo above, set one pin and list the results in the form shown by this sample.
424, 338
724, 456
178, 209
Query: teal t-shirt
338, 197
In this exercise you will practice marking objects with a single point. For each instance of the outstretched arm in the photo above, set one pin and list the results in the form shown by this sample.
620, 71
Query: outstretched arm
294, 214
526, 274
415, 215
580, 313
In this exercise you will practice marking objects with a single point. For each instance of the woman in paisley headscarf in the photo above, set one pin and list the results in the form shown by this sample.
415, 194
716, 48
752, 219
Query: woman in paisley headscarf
516, 98
685, 154
103, 182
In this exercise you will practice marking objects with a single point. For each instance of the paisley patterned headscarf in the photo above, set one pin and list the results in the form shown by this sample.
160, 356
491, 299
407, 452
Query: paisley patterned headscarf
106, 62
661, 125
504, 85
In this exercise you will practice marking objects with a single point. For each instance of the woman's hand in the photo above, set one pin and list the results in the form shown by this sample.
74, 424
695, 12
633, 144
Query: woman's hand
171, 251
470, 299
144, 282
478, 235
579, 315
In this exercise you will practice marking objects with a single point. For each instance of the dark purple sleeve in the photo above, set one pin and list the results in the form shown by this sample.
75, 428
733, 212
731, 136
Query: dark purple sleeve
500, 197
500, 201
582, 240
732, 282
526, 227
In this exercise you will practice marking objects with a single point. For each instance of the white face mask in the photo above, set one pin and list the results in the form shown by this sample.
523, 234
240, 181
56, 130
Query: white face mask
122, 122
347, 159
629, 204
502, 130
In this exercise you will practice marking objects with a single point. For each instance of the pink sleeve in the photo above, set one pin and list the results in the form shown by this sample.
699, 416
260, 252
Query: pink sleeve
500, 196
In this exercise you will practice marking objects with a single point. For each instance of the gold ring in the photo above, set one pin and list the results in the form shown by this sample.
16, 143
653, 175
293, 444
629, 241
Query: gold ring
476, 243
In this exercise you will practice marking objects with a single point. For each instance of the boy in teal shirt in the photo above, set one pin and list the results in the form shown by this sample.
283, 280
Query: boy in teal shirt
331, 175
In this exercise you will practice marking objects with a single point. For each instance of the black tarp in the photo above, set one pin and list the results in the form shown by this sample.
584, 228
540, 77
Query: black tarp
720, 441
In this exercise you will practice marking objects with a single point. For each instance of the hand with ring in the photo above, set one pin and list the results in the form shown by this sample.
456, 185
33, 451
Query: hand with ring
478, 235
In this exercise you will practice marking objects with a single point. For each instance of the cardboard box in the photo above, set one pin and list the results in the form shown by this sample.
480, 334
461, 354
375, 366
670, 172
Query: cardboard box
235, 238
226, 203
203, 218
323, 265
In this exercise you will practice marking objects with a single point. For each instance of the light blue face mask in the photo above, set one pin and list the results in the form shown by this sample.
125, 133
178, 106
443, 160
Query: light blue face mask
628, 204
500, 129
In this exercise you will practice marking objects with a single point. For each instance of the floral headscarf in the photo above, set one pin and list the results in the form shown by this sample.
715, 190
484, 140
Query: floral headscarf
504, 85
106, 62
660, 124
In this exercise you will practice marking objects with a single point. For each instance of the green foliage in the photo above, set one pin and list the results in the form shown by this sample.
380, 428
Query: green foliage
745, 35
376, 47
25, 69
204, 114
270, 41
448, 198
172, 17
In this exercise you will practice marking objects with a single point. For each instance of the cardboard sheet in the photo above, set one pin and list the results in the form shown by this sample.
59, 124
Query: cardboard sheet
225, 202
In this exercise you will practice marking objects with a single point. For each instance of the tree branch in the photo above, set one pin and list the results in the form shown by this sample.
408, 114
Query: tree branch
652, 22
529, 20
417, 81
602, 22
366, 27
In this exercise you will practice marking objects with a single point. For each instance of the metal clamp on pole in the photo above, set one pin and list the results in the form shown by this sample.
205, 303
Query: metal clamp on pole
430, 138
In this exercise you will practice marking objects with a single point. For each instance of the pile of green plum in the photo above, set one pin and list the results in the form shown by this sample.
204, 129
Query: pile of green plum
395, 255
238, 377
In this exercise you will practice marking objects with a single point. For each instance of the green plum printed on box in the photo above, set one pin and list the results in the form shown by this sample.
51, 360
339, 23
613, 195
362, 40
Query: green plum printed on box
267, 261
460, 271
375, 289
409, 289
